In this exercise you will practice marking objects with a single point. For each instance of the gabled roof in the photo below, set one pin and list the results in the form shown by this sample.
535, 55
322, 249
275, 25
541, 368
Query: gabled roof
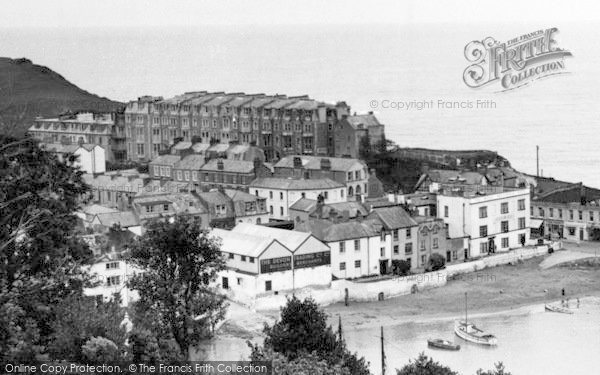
192, 161
242, 243
183, 145
290, 239
314, 162
166, 160
214, 197
295, 184
113, 182
94, 209
233, 166
327, 231
238, 195
219, 147
123, 218
200, 147
363, 121
443, 176
304, 204
393, 217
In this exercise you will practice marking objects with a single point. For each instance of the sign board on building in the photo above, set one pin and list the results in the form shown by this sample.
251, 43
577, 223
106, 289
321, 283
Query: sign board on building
275, 264
312, 260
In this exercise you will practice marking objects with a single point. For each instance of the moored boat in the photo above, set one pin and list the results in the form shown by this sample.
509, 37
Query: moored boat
442, 344
468, 331
558, 309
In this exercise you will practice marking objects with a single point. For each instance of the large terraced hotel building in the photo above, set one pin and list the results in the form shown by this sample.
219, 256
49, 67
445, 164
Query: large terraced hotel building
279, 124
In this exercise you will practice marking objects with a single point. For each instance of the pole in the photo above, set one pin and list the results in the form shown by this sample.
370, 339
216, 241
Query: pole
340, 328
537, 160
382, 354
466, 321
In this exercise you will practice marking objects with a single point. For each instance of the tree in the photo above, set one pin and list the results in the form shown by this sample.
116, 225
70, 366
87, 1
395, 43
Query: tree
180, 261
424, 365
302, 332
400, 267
499, 369
40, 257
436, 261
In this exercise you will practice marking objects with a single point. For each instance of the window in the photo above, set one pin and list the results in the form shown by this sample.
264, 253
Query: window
407, 232
521, 223
281, 196
280, 211
186, 175
504, 226
342, 247
271, 210
357, 245
560, 213
270, 195
435, 243
382, 252
422, 245
395, 235
342, 193
551, 212
349, 176
251, 259
483, 231
342, 266
408, 248
541, 211
326, 194
140, 149
179, 175
396, 249
156, 170
256, 192
591, 215
483, 247
445, 211
231, 256
504, 207
268, 285
423, 259
243, 258
482, 212
357, 264
194, 176
571, 214
580, 215
165, 207
239, 281
149, 209
521, 204
113, 280
504, 242
571, 231
112, 265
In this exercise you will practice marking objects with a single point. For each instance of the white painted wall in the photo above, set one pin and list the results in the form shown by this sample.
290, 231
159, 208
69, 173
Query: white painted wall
282, 199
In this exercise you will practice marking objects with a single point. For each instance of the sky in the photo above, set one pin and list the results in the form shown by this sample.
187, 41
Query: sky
162, 13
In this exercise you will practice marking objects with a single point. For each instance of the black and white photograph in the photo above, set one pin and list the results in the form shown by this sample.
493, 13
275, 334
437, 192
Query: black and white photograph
395, 187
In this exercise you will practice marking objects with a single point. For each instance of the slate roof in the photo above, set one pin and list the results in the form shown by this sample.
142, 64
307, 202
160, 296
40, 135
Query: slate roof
190, 162
183, 145
67, 149
327, 231
233, 166
123, 218
238, 195
314, 162
304, 204
295, 184
393, 217
166, 160
200, 147
453, 176
114, 183
363, 121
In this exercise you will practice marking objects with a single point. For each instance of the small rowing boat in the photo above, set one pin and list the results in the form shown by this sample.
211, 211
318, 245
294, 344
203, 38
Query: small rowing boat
442, 344
558, 309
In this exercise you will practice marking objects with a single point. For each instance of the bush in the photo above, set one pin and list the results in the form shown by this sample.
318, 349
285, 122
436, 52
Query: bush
400, 267
100, 350
436, 262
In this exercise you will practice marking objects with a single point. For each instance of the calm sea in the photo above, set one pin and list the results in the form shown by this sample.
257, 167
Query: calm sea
534, 342
358, 64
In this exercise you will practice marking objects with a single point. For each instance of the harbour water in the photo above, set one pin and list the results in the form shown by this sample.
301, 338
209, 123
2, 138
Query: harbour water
531, 342
358, 64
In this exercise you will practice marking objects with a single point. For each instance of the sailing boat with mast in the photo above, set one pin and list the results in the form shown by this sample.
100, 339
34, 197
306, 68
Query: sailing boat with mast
468, 331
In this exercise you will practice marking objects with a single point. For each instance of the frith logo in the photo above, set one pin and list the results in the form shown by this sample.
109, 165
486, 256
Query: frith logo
515, 63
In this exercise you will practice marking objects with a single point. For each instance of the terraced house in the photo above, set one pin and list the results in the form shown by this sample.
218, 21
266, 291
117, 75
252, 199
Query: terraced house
279, 124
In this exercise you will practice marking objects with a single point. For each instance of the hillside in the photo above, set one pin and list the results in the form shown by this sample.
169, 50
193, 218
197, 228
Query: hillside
28, 90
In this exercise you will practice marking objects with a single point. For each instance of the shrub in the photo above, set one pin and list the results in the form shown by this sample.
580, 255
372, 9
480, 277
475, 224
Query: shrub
436, 262
400, 267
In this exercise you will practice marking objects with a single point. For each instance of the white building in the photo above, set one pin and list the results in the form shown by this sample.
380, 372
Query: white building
111, 272
281, 193
90, 158
493, 221
262, 261
357, 248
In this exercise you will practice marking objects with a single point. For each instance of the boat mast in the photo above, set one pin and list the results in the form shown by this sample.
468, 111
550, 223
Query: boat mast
466, 322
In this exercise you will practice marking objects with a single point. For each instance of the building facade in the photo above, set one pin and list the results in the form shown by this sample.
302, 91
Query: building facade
493, 222
351, 130
280, 125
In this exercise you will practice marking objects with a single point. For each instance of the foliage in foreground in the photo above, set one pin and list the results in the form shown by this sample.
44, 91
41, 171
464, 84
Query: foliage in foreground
302, 336
424, 365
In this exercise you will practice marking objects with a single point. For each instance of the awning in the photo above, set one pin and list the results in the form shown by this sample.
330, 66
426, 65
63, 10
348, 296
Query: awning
535, 223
